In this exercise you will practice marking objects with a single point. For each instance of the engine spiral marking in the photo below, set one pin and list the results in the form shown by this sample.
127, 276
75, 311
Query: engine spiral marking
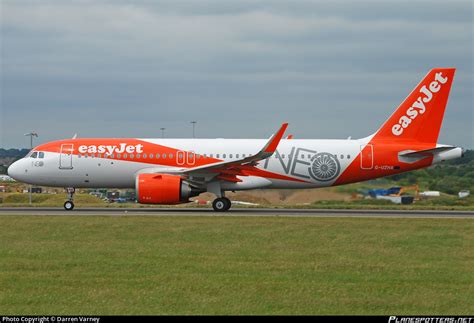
324, 167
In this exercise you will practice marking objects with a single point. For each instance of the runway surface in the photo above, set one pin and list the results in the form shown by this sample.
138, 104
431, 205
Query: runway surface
236, 212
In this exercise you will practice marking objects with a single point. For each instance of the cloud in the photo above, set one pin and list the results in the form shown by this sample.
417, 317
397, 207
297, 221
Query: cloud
123, 68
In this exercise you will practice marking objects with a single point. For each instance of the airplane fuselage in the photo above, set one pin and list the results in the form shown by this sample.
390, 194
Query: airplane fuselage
115, 163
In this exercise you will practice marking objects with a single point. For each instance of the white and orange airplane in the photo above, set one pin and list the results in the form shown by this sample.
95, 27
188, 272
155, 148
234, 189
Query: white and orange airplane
170, 171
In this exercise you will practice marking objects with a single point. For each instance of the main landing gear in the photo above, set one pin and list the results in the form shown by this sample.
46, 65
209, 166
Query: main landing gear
221, 204
69, 204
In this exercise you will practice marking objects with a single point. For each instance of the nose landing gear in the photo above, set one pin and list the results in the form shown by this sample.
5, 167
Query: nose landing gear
69, 204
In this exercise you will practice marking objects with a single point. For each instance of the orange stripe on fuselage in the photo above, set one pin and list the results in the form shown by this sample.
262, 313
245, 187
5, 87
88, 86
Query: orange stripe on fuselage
145, 147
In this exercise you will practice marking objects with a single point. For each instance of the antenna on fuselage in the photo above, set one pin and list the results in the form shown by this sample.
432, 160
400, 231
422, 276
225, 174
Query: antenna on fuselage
75, 136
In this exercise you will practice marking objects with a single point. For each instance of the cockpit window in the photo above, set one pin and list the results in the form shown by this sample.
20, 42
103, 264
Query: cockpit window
34, 154
41, 154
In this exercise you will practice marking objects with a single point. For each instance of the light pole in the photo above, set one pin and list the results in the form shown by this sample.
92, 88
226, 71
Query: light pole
162, 132
194, 126
31, 135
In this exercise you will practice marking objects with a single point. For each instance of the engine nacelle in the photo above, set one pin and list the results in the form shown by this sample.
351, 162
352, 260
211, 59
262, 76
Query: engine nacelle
163, 189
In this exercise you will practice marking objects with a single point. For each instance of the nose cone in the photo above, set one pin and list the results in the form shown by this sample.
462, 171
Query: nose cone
14, 170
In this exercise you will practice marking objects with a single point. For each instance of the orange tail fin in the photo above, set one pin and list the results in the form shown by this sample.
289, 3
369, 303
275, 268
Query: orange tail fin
420, 115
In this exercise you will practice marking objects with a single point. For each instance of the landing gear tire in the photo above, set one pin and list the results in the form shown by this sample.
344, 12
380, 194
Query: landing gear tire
68, 205
221, 204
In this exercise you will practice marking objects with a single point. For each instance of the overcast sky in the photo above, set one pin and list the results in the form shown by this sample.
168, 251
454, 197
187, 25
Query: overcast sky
332, 69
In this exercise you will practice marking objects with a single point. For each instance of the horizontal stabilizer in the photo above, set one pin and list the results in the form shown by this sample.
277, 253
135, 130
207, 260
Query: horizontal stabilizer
426, 152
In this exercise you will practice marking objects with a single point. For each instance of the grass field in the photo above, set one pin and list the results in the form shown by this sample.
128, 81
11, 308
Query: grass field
85, 200
233, 265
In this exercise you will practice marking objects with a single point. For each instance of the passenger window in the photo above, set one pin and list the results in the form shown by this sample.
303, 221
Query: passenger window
151, 155
118, 156
144, 155
99, 155
230, 155
125, 156
112, 156
342, 156
132, 156
217, 156
348, 156
138, 155
34, 155
237, 156
164, 155
223, 156
171, 155
302, 156
157, 155
283, 156
79, 155
211, 155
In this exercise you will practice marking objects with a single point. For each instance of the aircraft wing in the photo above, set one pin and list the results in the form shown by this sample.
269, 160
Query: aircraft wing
229, 170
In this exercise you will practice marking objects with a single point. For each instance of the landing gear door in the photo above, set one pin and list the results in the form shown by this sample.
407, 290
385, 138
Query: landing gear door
367, 156
65, 157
